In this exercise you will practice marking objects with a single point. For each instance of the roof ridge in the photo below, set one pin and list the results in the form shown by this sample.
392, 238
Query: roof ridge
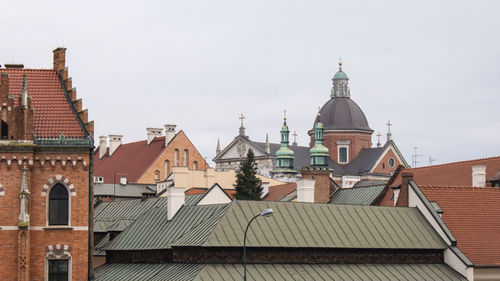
459, 186
456, 163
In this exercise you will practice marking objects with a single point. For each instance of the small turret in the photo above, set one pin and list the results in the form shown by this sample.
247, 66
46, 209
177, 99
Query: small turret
284, 156
340, 84
217, 149
319, 153
24, 196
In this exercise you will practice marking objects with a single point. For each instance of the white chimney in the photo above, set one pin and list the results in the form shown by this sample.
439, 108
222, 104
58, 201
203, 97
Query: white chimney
114, 142
265, 189
153, 133
175, 200
102, 146
169, 133
479, 176
305, 190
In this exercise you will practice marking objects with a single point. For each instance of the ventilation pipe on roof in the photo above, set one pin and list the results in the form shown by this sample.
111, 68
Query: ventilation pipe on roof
153, 133
479, 176
175, 200
114, 142
102, 146
169, 133
305, 190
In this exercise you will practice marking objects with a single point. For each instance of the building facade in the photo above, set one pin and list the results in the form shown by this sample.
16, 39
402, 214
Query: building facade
45, 169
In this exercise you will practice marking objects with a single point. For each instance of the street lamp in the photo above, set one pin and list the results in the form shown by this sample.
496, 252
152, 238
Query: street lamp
265, 213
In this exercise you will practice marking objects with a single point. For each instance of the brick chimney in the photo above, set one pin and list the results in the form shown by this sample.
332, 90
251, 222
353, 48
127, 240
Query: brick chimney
153, 133
59, 59
479, 176
175, 200
403, 196
102, 146
169, 133
114, 142
4, 88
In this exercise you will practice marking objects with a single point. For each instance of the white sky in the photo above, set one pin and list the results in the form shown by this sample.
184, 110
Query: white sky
431, 67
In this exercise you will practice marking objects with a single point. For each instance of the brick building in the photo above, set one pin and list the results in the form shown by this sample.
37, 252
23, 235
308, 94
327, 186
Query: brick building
145, 162
45, 168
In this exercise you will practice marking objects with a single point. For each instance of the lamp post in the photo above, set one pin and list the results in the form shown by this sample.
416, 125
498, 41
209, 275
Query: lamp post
265, 213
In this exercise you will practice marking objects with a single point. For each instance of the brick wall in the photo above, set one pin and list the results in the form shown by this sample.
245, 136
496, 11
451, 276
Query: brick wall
358, 142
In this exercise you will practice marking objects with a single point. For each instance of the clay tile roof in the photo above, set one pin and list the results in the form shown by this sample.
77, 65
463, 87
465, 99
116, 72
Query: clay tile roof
279, 191
129, 160
473, 216
456, 173
52, 114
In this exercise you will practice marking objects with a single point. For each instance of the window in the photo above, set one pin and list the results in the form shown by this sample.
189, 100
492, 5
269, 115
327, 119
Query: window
383, 165
167, 167
185, 159
195, 165
98, 179
157, 175
342, 154
391, 162
176, 157
58, 205
58, 270
4, 130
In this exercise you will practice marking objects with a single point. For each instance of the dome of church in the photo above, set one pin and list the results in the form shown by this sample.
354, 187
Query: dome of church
342, 113
340, 75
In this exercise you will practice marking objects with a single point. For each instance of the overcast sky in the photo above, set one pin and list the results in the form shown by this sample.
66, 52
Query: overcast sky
430, 67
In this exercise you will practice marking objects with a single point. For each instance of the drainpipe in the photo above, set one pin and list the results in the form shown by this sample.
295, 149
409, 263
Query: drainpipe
91, 211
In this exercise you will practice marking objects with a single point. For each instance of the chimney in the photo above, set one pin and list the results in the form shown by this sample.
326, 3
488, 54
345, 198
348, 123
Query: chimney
59, 59
4, 87
403, 195
479, 176
175, 200
265, 189
114, 142
102, 146
153, 133
169, 133
305, 190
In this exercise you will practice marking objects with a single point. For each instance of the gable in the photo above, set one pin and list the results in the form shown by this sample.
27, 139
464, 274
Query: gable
238, 148
215, 195
382, 164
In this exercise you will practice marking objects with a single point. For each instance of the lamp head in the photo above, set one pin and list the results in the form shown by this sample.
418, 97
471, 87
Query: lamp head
266, 213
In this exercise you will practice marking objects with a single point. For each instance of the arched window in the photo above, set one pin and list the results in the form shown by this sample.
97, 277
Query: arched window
157, 175
4, 130
195, 165
185, 158
176, 157
58, 205
167, 167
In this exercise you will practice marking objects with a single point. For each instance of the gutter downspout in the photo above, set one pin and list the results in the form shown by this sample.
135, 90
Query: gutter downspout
91, 212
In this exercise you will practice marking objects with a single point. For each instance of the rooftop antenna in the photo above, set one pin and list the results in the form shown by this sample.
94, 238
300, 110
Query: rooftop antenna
415, 157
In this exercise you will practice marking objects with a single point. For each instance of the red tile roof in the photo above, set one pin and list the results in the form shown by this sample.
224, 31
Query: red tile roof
52, 113
130, 160
457, 173
279, 191
473, 216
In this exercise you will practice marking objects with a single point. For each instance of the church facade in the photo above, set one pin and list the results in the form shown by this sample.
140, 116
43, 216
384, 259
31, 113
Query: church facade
45, 168
340, 142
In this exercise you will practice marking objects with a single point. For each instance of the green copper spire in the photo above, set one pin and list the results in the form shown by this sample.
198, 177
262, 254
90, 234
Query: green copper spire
340, 85
284, 156
319, 153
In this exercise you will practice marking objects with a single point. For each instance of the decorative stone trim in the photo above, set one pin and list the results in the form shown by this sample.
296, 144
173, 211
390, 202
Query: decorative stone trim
58, 251
56, 179
2, 191
50, 160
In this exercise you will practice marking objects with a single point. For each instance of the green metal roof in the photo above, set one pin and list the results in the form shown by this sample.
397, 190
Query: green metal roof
264, 272
356, 195
318, 225
119, 190
340, 75
153, 231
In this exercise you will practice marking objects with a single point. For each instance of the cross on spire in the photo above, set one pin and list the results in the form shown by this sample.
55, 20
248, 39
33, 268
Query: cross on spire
284, 115
378, 139
241, 118
294, 137
389, 126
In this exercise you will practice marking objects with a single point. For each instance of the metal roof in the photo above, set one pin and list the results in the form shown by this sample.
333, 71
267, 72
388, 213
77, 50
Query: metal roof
207, 272
153, 231
119, 190
356, 195
318, 225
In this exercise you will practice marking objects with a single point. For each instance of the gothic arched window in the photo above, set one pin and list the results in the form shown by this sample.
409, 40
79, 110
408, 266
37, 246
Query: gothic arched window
185, 158
58, 205
195, 165
176, 157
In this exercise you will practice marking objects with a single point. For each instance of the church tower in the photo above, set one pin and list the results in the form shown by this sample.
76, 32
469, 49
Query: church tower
345, 128
319, 153
284, 156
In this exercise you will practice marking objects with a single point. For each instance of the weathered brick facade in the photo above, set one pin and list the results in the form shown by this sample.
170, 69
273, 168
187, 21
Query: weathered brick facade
38, 164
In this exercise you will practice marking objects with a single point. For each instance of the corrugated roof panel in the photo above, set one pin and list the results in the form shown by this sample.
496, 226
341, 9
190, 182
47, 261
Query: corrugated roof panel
356, 195
323, 225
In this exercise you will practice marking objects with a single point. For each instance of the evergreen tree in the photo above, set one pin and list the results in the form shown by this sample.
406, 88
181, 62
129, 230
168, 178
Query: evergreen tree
248, 186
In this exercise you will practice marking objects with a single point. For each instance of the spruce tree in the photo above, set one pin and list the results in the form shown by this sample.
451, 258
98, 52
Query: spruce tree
248, 186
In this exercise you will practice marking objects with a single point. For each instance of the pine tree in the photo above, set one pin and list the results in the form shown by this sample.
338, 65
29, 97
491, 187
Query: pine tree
248, 186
